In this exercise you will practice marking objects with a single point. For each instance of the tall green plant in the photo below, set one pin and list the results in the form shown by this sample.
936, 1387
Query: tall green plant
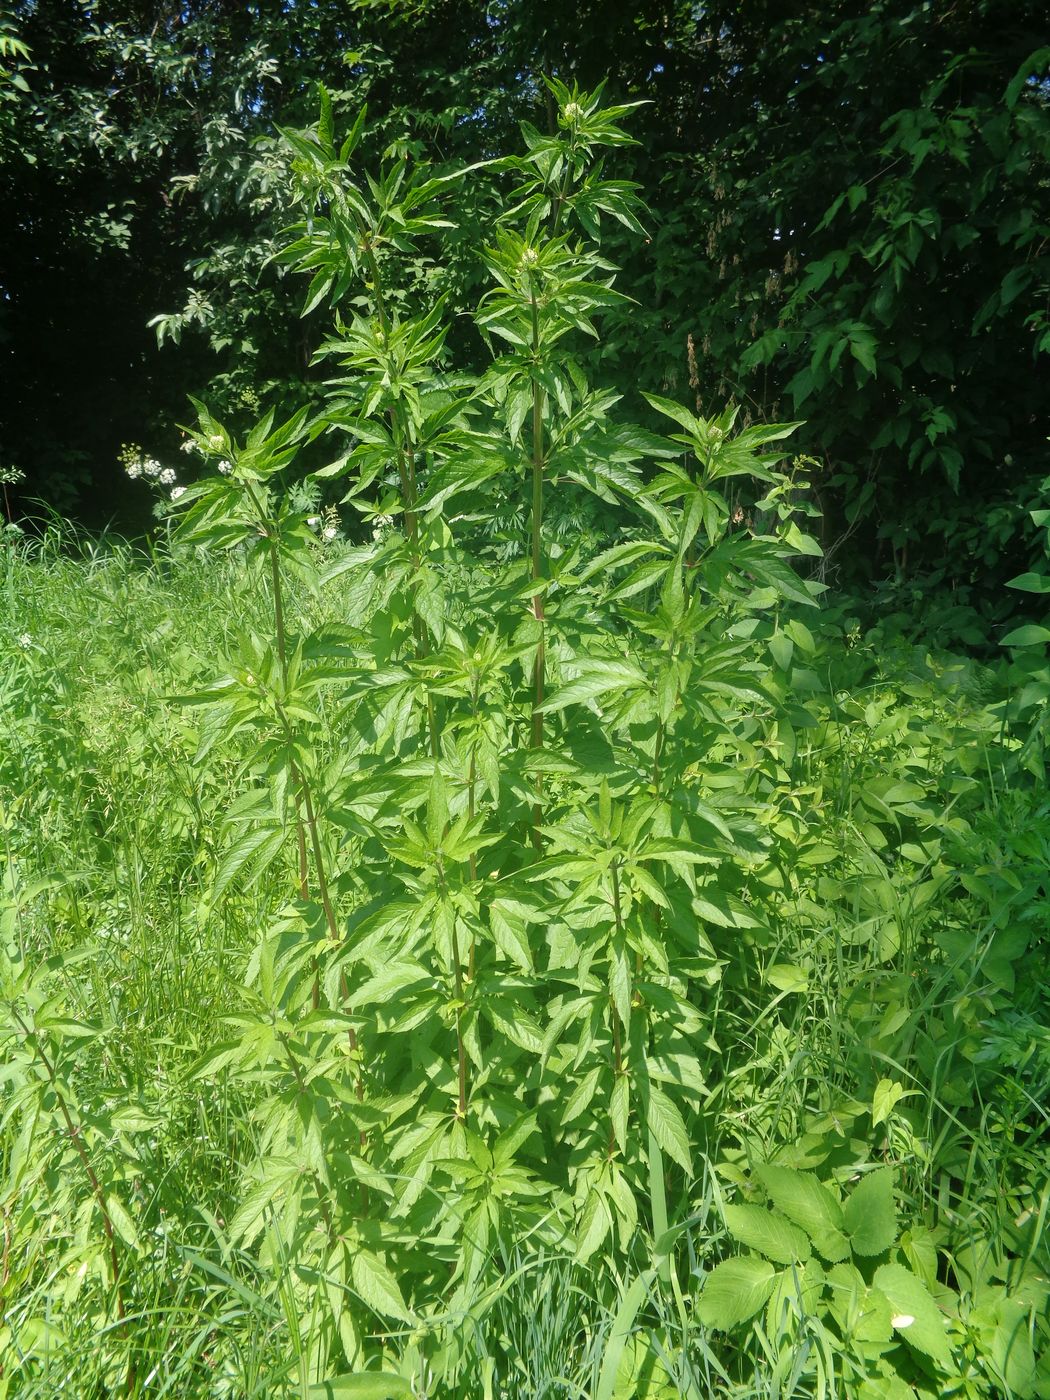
482, 1026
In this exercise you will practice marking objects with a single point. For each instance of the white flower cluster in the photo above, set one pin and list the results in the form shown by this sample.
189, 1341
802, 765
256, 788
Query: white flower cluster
225, 467
327, 524
137, 465
25, 641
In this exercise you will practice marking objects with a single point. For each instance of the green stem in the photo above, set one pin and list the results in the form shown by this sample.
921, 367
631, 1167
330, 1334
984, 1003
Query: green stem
269, 528
302, 788
312, 828
461, 1049
617, 1028
539, 664
406, 474
322, 1190
472, 782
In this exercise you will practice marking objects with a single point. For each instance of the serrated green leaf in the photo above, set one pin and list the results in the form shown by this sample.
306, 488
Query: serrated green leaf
121, 1220
510, 930
595, 678
668, 1128
255, 848
916, 1316
768, 1232
377, 1286
809, 1203
870, 1213
456, 477
581, 1096
619, 1107
735, 1291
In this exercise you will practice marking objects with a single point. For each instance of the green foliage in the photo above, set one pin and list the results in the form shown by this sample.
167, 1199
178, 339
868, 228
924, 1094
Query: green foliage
469, 928
862, 206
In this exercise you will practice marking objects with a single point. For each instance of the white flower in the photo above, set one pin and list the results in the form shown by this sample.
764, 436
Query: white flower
330, 531
167, 476
25, 641
177, 492
134, 470
187, 445
216, 442
573, 111
151, 466
224, 467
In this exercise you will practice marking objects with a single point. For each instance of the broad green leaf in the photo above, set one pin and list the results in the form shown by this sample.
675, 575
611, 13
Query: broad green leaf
809, 1203
916, 1316
256, 848
888, 1093
768, 1232
1030, 583
1030, 635
735, 1291
782, 649
786, 977
870, 1213
1012, 1353
616, 557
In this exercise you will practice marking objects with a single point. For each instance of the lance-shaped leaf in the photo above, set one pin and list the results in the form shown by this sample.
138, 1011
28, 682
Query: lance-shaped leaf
595, 678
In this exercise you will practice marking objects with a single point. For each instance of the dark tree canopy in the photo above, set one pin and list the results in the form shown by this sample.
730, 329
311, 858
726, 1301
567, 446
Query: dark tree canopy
850, 227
